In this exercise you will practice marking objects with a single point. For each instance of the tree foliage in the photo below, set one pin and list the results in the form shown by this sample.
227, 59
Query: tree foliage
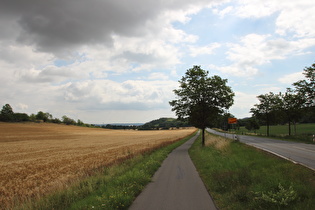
252, 124
7, 110
68, 121
164, 123
306, 87
291, 106
44, 116
222, 121
266, 108
7, 113
200, 98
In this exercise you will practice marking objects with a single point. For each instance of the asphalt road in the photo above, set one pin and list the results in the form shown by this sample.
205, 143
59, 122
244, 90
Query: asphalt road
300, 153
176, 185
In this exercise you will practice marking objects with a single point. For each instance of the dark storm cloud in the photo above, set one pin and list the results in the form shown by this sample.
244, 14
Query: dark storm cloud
54, 25
140, 57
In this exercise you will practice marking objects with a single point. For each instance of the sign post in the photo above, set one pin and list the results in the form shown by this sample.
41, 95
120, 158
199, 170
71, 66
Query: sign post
233, 121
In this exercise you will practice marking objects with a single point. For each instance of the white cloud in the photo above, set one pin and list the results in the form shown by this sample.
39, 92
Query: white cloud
237, 69
255, 8
223, 12
145, 52
49, 74
158, 76
243, 102
22, 56
254, 50
99, 39
21, 106
269, 88
296, 17
291, 78
105, 42
128, 95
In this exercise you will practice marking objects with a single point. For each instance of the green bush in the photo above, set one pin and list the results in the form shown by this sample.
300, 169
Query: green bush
280, 197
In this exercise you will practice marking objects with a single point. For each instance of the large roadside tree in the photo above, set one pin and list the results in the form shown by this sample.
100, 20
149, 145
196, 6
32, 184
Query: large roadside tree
200, 99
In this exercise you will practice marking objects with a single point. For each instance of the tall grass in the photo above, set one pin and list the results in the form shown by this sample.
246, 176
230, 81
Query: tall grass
113, 188
241, 177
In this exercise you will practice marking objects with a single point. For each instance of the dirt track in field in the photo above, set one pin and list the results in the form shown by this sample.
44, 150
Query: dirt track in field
36, 159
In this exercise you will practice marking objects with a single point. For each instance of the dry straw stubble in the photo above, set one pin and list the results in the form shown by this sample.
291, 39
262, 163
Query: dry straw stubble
36, 159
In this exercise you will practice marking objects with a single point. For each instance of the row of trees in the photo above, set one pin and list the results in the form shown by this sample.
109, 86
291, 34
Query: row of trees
295, 105
203, 100
8, 115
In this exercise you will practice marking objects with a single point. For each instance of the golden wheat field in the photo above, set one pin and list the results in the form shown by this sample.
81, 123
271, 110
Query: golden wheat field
37, 158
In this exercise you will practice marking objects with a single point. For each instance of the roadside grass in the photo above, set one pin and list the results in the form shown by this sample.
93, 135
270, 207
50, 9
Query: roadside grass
304, 132
238, 176
114, 188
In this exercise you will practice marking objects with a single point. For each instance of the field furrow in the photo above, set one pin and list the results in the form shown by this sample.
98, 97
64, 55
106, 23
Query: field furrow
36, 159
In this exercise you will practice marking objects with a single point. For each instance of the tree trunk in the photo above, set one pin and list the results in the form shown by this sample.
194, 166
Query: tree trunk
203, 137
267, 124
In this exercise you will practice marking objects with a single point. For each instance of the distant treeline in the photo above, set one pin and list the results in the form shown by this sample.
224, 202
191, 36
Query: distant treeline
159, 124
8, 115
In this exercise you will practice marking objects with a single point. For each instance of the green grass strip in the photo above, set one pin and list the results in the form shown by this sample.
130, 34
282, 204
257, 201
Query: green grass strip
304, 132
115, 188
242, 177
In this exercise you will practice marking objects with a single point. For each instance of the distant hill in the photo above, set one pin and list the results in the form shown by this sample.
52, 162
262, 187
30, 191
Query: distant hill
164, 123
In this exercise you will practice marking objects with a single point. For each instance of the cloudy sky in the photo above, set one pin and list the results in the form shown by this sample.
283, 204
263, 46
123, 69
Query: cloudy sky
105, 61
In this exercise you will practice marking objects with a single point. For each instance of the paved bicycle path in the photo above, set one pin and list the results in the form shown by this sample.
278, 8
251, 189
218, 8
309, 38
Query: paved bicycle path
176, 185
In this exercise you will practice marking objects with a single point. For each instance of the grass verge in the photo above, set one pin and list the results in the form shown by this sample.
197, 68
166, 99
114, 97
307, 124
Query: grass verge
304, 132
241, 177
114, 188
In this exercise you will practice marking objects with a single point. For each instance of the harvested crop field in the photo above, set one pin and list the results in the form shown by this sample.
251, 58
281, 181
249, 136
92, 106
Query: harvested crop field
38, 158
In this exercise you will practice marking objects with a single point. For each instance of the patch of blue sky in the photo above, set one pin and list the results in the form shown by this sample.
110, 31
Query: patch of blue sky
270, 75
280, 68
127, 75
210, 27
60, 62
77, 57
